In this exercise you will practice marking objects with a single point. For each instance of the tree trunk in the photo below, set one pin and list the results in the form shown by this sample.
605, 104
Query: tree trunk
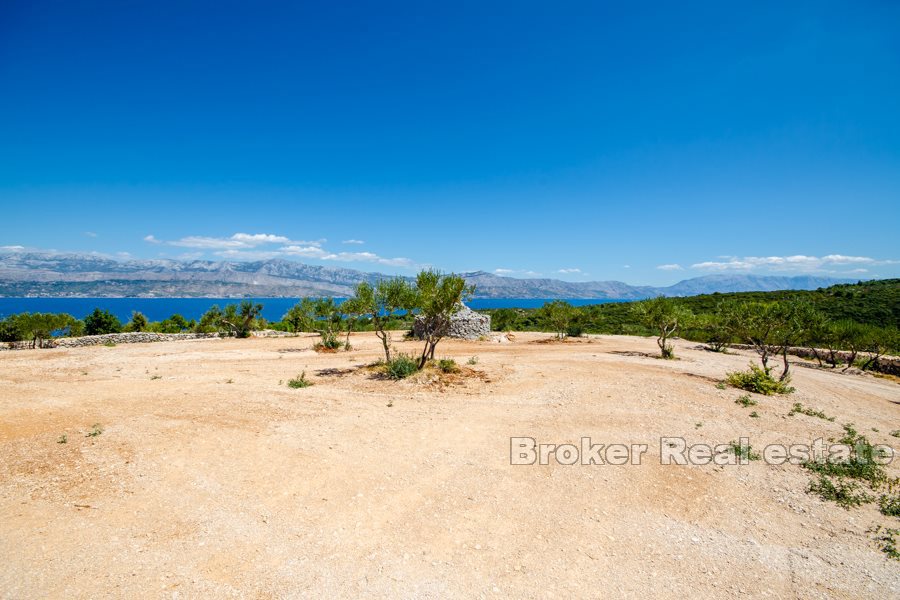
787, 365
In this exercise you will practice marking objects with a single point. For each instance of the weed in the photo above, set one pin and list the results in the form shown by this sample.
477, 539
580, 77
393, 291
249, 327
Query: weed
96, 430
152, 377
798, 408
401, 367
744, 452
110, 344
754, 414
759, 381
299, 382
746, 401
896, 433
845, 494
889, 504
698, 425
721, 386
474, 361
62, 439
230, 381
886, 541
448, 365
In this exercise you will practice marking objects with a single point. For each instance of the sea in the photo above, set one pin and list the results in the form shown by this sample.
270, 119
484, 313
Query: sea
157, 309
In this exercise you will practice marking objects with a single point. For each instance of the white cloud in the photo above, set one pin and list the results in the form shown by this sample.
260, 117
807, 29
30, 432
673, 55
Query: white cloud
353, 242
573, 270
793, 263
90, 234
626, 266
519, 272
12, 248
670, 267
235, 242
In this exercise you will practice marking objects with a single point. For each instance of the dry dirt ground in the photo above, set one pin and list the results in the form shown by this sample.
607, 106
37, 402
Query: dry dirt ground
211, 478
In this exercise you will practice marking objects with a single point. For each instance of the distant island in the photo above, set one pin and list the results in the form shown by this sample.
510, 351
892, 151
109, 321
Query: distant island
41, 274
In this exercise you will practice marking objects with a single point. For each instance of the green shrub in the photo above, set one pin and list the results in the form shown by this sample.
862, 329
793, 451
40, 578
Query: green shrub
889, 504
299, 382
798, 408
474, 361
846, 494
575, 330
744, 452
401, 367
448, 365
758, 381
746, 401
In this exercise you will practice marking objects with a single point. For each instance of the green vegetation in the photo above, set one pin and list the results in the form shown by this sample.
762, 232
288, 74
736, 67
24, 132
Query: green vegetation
96, 430
300, 381
558, 314
101, 322
886, 542
799, 408
401, 366
448, 365
758, 381
743, 452
379, 303
663, 316
842, 481
814, 319
437, 297
746, 401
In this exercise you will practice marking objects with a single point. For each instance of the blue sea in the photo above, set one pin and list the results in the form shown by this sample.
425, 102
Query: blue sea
157, 309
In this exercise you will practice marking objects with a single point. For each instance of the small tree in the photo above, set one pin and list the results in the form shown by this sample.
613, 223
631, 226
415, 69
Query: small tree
878, 342
301, 316
138, 322
239, 319
211, 320
437, 298
328, 321
558, 315
664, 316
716, 327
101, 322
379, 303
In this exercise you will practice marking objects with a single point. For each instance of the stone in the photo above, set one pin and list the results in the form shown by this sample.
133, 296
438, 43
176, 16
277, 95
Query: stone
465, 324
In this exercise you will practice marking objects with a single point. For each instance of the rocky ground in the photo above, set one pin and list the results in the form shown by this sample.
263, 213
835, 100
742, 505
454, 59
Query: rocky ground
207, 476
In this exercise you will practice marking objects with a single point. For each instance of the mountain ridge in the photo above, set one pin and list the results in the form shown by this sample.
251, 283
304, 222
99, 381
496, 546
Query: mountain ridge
43, 274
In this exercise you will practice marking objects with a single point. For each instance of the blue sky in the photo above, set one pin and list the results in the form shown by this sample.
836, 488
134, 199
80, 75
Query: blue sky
645, 142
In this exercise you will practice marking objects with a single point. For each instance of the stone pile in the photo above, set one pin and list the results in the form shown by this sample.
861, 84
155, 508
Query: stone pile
464, 324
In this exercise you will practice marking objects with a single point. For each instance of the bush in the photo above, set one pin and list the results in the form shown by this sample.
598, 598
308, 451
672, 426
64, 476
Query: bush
575, 330
758, 381
299, 382
889, 505
746, 401
448, 365
846, 494
401, 367
101, 322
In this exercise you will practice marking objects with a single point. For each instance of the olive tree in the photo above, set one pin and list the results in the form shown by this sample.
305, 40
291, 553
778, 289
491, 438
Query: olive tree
437, 298
379, 302
558, 315
664, 316
301, 316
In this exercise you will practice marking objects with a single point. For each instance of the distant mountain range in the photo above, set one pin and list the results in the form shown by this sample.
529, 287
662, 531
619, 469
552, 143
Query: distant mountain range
33, 274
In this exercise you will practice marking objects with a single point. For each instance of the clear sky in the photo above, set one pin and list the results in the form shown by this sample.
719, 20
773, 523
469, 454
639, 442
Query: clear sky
645, 142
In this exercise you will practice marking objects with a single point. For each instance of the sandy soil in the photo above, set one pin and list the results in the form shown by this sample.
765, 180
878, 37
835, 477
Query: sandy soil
211, 478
